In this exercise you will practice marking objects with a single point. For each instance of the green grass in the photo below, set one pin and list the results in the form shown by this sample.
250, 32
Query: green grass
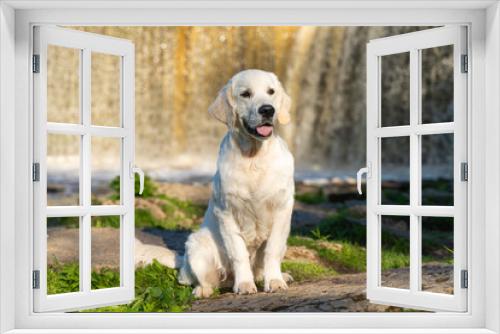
441, 184
156, 287
338, 227
105, 278
351, 257
156, 290
316, 197
302, 271
150, 188
435, 192
179, 214
342, 229
63, 278
395, 196
106, 221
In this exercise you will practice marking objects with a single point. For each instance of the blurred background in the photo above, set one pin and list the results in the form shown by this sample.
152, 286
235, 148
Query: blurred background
179, 71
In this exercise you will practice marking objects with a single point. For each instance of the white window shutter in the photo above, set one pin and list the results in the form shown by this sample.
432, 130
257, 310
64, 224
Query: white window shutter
414, 296
85, 43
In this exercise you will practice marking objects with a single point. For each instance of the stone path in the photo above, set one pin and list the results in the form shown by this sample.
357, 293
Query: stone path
62, 244
344, 293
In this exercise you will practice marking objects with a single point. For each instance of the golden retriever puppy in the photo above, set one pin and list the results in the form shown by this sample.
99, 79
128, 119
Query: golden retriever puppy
246, 226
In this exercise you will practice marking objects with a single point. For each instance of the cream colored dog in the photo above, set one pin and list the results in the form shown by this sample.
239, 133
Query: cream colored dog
246, 226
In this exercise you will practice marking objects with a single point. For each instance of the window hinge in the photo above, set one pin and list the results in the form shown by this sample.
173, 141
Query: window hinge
464, 281
36, 172
36, 63
36, 279
464, 171
465, 63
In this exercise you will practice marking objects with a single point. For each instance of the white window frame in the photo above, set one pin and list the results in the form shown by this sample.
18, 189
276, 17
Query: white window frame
413, 43
16, 20
86, 44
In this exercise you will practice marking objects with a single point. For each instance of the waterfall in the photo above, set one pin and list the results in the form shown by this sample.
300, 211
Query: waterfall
179, 71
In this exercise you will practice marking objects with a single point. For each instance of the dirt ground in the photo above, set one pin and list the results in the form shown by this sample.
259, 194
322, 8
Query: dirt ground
344, 293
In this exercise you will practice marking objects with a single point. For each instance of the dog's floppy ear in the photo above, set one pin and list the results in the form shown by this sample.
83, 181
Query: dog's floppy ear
284, 103
284, 108
223, 106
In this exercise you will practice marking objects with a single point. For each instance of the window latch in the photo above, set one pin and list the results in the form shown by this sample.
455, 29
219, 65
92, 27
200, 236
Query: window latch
133, 170
365, 170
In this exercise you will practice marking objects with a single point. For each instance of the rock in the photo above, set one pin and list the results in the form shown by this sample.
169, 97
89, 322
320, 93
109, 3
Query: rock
316, 181
302, 253
154, 206
345, 293
330, 245
196, 193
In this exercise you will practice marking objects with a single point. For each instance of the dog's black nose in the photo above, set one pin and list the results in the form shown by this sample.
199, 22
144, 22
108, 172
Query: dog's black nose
266, 110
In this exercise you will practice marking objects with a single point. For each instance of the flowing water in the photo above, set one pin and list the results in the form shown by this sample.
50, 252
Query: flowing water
179, 71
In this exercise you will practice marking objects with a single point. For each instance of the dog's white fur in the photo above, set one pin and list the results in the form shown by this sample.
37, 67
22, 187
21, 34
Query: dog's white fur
146, 253
245, 228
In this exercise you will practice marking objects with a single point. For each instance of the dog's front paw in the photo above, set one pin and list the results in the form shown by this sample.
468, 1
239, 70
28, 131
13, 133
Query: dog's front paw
275, 285
246, 288
287, 277
202, 292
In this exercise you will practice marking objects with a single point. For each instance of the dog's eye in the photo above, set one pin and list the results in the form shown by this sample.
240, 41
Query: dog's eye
270, 91
246, 94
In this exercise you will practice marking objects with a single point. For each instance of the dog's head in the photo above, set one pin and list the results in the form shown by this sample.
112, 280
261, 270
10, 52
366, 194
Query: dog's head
252, 100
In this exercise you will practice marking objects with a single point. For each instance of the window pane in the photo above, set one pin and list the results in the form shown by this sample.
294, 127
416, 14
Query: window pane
395, 89
437, 254
395, 153
437, 84
395, 251
63, 240
106, 167
106, 78
105, 252
437, 169
63, 84
63, 165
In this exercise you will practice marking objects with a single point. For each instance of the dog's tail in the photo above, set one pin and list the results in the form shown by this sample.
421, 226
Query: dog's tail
145, 254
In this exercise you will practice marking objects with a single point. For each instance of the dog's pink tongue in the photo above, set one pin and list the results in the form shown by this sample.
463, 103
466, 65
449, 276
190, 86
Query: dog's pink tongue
264, 130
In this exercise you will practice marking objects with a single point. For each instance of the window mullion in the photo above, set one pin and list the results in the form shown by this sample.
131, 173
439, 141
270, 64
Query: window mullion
86, 177
415, 237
